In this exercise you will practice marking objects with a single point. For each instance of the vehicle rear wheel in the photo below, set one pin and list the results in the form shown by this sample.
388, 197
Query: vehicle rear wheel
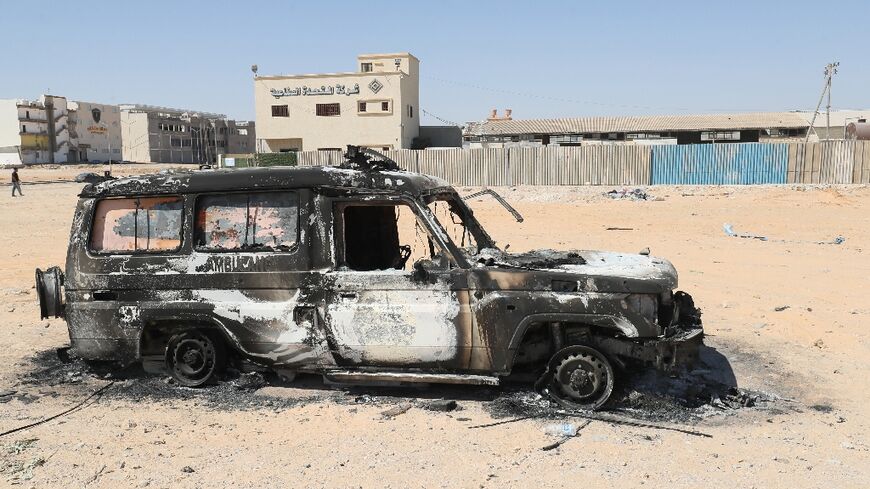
195, 357
581, 377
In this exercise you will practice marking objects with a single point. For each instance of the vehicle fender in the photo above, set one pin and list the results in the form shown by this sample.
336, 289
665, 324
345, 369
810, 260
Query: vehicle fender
609, 322
194, 318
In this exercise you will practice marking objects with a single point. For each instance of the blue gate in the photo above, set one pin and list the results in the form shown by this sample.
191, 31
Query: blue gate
719, 164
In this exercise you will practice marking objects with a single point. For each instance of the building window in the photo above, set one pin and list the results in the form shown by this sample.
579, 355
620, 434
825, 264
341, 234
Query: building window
23, 128
385, 106
720, 136
411, 111
362, 106
328, 110
280, 111
365, 67
27, 114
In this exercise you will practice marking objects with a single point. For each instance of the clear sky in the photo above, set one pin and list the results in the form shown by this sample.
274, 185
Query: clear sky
540, 58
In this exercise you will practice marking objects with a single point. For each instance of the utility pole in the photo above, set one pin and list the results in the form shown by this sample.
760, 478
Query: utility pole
830, 71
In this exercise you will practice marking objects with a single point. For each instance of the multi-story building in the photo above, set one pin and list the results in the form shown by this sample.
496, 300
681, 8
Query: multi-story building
53, 130
376, 106
97, 131
163, 135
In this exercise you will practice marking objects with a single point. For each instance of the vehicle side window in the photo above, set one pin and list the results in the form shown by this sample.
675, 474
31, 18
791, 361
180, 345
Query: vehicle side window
383, 237
138, 224
260, 221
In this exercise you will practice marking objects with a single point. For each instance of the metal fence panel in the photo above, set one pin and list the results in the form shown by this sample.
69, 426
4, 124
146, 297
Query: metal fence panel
720, 164
829, 162
861, 169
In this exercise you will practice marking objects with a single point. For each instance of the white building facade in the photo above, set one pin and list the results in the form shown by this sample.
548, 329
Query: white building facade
375, 106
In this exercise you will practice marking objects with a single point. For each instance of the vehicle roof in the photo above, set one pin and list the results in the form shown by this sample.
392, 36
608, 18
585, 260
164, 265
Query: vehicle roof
264, 178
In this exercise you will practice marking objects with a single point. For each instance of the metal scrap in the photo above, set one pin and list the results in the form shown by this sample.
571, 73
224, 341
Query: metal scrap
396, 410
557, 444
729, 230
632, 194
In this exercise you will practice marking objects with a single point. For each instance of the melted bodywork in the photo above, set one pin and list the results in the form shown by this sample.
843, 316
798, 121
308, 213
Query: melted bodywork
265, 257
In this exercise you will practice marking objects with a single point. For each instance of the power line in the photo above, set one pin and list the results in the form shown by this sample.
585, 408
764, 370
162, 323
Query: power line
445, 121
562, 99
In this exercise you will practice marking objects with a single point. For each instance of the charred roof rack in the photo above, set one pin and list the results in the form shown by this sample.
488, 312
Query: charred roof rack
367, 160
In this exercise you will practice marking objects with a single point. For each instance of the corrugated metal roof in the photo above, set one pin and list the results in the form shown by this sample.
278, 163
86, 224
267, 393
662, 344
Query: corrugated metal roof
652, 123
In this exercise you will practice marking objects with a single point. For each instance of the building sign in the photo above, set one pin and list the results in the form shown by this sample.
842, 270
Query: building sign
305, 91
375, 86
97, 130
96, 113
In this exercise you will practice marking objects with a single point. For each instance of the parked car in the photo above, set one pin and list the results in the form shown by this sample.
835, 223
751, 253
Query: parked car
361, 273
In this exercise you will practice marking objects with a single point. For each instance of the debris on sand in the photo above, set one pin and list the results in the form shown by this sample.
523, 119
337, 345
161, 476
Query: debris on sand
396, 410
631, 194
441, 405
780, 308
729, 230
249, 381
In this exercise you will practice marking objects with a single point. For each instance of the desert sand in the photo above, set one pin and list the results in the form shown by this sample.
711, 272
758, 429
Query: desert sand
808, 361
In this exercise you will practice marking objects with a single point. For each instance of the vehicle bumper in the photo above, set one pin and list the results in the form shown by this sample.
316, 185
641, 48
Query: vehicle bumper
683, 338
678, 350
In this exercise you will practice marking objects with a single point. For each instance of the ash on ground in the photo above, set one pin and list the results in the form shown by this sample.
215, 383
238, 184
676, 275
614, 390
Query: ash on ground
709, 389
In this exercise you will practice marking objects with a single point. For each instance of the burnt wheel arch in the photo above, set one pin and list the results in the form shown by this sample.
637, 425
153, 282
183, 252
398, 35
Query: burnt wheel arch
596, 323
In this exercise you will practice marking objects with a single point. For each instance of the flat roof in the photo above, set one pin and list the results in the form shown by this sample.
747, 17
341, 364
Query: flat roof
627, 124
170, 110
265, 178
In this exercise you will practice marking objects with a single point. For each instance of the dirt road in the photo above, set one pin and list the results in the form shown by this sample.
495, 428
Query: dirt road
786, 318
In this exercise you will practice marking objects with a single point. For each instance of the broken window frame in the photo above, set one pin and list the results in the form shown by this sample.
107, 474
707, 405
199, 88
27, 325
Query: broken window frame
263, 249
421, 214
173, 251
461, 209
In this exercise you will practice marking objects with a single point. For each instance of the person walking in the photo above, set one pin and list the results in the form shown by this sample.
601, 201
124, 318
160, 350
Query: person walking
16, 183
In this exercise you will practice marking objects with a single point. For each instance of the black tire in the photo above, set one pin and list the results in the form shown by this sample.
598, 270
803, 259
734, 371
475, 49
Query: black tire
49, 293
579, 378
195, 357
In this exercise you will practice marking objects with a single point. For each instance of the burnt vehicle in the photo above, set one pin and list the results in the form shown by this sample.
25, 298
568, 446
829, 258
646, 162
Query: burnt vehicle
362, 273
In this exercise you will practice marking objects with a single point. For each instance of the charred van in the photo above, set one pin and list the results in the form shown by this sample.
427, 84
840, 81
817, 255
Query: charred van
361, 273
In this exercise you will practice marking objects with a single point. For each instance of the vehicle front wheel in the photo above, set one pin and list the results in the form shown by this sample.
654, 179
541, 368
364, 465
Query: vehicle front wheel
195, 357
579, 377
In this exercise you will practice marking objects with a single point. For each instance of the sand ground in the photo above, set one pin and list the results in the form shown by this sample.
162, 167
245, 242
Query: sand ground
812, 357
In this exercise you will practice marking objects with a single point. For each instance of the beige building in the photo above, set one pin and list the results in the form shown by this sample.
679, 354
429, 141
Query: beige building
54, 130
375, 106
163, 135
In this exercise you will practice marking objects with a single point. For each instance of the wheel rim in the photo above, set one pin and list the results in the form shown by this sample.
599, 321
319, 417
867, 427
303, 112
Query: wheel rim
582, 377
193, 359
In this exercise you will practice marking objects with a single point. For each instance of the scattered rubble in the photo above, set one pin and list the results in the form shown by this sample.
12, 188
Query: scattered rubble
396, 410
631, 194
649, 396
441, 405
729, 230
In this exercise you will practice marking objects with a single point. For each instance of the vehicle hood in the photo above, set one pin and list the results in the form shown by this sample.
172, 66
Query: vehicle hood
594, 270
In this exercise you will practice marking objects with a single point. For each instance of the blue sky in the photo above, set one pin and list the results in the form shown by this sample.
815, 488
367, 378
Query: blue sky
542, 59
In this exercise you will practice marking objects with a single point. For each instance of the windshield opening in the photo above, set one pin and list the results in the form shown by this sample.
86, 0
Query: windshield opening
458, 222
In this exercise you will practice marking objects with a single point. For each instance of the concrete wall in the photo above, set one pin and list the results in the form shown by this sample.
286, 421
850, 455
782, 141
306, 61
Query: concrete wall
135, 137
9, 127
442, 136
